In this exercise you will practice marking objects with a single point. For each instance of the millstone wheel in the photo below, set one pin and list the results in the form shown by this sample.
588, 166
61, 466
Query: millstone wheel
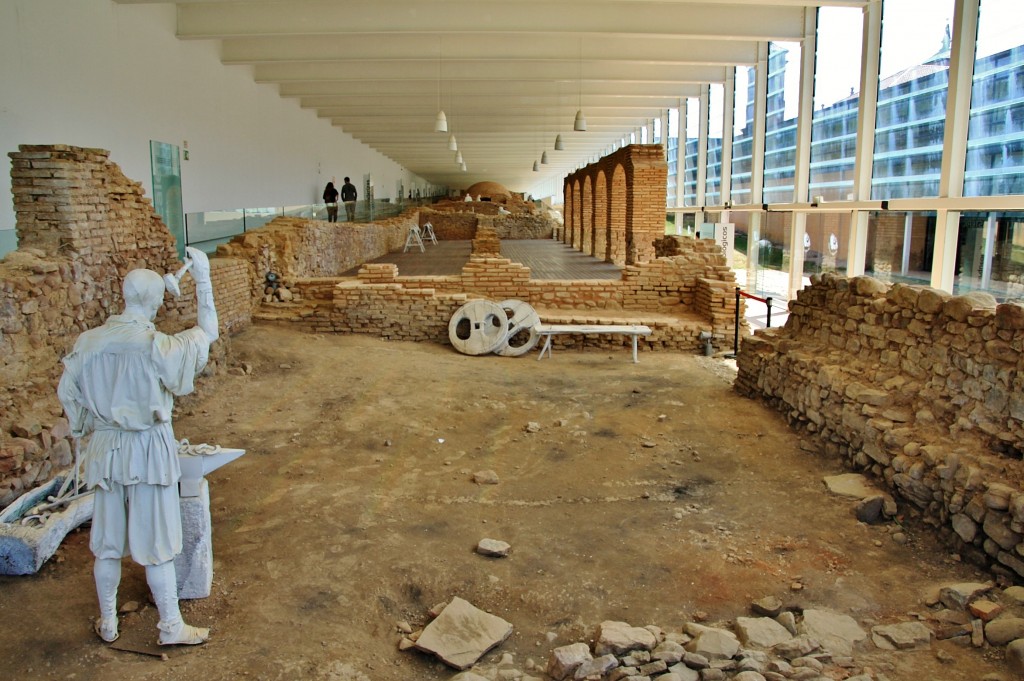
522, 328
478, 327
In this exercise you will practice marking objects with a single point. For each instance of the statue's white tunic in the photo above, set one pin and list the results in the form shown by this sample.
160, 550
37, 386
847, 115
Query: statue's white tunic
119, 384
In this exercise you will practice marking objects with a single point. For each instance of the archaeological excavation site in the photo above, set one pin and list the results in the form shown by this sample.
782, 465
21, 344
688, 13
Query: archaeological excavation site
647, 340
417, 499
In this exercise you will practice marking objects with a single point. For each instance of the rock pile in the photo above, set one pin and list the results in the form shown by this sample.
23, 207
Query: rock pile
778, 644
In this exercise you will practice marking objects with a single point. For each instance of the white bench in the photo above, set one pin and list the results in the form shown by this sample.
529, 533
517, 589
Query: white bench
549, 330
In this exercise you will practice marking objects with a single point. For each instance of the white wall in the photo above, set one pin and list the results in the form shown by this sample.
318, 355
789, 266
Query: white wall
92, 73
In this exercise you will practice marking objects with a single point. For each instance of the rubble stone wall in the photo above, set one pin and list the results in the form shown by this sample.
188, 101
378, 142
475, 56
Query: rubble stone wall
82, 225
923, 389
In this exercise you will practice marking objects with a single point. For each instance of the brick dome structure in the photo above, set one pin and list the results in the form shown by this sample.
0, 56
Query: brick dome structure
493, 191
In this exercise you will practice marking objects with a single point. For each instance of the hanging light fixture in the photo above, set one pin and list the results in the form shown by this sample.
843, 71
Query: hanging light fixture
544, 157
580, 124
536, 167
441, 122
463, 166
458, 157
559, 146
452, 144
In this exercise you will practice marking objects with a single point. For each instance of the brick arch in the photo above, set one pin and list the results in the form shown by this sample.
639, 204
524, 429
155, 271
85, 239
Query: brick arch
601, 215
587, 215
577, 196
567, 216
622, 197
617, 215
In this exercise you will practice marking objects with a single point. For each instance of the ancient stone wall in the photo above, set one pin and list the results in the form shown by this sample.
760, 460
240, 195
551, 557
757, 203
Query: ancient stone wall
82, 225
450, 225
920, 388
455, 225
299, 247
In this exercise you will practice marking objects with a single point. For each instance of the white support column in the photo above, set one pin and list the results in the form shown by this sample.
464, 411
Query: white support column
681, 160
702, 152
802, 172
908, 235
991, 227
664, 130
870, 50
757, 160
954, 143
728, 114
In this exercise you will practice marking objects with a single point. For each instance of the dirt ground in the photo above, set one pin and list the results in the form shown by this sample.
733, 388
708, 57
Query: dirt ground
652, 492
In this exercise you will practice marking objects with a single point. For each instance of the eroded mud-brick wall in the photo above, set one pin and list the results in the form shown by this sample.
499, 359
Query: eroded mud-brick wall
82, 225
923, 389
296, 248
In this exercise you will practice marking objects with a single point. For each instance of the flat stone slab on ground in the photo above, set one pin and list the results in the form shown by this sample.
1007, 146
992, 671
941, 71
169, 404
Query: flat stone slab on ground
619, 637
903, 636
761, 632
462, 633
853, 485
493, 547
836, 633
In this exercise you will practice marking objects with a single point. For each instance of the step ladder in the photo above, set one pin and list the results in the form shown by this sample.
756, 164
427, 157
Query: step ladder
414, 239
428, 233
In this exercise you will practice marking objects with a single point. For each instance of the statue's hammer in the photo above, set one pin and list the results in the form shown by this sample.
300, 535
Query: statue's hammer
172, 282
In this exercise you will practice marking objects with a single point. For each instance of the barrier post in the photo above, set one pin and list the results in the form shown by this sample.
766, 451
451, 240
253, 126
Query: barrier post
736, 331
768, 300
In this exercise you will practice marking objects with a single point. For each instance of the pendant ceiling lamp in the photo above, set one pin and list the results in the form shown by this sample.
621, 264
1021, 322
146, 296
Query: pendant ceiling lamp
458, 157
463, 166
441, 122
452, 144
544, 158
559, 146
536, 167
580, 124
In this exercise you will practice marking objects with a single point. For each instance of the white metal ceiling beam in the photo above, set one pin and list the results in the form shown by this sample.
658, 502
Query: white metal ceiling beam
545, 46
640, 18
569, 72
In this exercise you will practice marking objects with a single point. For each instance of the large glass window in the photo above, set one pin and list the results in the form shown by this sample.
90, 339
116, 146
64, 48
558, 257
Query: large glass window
690, 133
996, 133
834, 121
826, 244
716, 107
900, 246
990, 255
780, 127
742, 135
913, 81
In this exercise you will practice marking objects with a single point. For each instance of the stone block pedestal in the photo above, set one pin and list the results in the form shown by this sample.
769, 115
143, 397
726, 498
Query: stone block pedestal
194, 565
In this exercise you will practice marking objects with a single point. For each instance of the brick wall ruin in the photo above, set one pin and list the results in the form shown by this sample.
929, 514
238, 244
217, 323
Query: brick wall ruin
81, 225
680, 297
615, 208
452, 224
921, 388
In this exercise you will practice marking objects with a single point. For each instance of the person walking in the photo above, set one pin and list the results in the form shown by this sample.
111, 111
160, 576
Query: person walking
349, 196
331, 199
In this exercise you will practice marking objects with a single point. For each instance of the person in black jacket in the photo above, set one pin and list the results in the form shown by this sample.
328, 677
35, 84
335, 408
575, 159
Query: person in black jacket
348, 196
331, 199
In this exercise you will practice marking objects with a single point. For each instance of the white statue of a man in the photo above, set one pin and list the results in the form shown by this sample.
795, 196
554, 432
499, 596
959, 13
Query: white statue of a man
119, 384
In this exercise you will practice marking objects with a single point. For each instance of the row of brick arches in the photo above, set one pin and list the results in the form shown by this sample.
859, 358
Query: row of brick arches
615, 208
